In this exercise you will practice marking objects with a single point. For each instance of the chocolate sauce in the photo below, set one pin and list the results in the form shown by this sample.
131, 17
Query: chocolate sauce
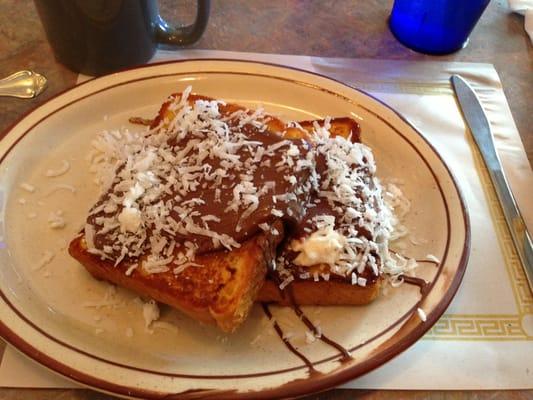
346, 356
230, 222
421, 283
425, 260
270, 174
321, 205
140, 121
279, 331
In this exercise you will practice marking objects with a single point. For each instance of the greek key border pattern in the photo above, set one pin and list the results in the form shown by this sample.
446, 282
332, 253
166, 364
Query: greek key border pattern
478, 328
517, 277
487, 327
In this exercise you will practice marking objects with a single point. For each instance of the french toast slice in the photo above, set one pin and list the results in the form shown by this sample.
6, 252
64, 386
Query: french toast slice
221, 286
220, 290
336, 290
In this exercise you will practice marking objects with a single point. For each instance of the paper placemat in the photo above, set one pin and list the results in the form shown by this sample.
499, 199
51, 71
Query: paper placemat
485, 339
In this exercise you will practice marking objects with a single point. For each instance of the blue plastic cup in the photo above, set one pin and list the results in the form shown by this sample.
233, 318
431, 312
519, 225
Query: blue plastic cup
435, 26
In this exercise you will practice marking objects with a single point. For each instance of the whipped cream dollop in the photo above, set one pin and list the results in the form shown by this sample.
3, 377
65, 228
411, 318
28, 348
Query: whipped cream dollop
323, 246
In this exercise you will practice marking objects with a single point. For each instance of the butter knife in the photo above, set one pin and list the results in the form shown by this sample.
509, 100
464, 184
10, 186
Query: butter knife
480, 128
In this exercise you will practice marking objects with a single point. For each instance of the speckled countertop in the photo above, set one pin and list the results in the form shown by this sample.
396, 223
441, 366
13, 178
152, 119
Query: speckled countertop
327, 28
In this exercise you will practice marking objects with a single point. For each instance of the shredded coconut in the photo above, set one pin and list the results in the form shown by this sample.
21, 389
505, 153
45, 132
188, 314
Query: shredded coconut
150, 312
27, 187
131, 268
63, 169
109, 300
56, 220
431, 257
47, 257
58, 187
309, 337
421, 314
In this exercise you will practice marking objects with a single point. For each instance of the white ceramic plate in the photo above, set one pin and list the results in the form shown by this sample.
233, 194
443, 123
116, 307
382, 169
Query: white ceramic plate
83, 329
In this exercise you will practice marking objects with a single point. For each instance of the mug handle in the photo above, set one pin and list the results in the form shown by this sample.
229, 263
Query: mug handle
185, 35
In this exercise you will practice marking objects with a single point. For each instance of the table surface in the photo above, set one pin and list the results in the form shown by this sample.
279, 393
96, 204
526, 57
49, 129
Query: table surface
333, 28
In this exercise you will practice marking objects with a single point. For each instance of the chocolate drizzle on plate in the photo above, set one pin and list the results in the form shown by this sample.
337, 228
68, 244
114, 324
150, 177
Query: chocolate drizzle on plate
346, 356
421, 283
287, 293
140, 121
288, 344
426, 260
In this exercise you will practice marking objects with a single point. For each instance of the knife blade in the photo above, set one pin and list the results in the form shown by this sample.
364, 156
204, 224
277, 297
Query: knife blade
478, 123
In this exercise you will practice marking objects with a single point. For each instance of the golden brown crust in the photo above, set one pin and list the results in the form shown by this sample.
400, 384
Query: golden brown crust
321, 293
222, 291
273, 124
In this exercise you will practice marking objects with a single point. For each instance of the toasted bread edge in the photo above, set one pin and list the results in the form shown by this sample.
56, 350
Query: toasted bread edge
321, 293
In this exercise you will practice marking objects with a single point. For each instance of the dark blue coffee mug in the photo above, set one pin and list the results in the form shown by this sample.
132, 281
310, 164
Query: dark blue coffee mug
96, 37
435, 26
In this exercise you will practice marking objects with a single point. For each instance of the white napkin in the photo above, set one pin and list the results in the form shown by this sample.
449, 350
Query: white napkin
525, 8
